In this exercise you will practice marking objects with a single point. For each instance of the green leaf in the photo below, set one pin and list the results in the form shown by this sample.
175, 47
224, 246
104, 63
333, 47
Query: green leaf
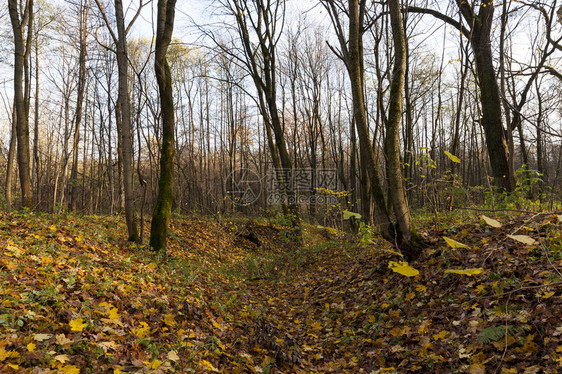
453, 157
347, 215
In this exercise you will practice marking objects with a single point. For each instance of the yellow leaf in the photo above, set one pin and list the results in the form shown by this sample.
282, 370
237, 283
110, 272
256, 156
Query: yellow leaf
77, 324
61, 358
70, 369
464, 271
42, 337
403, 268
173, 356
31, 347
62, 340
523, 239
52, 227
454, 244
441, 335
453, 157
207, 365
142, 331
477, 369
113, 314
545, 295
15, 367
316, 326
169, 320
154, 364
492, 222
9, 354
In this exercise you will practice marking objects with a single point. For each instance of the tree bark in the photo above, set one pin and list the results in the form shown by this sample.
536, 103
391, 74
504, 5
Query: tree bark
354, 65
79, 103
126, 138
396, 189
163, 207
21, 53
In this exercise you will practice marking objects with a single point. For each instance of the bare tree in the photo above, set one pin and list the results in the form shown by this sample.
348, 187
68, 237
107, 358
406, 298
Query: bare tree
22, 51
120, 41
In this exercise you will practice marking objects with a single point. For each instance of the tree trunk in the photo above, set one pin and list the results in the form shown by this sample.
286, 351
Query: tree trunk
496, 142
79, 102
366, 153
163, 207
21, 53
11, 156
406, 240
123, 67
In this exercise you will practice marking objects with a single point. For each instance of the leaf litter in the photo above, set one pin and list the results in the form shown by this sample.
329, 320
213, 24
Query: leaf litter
77, 298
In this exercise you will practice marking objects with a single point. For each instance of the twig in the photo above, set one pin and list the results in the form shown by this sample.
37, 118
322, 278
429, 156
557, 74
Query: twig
511, 210
521, 289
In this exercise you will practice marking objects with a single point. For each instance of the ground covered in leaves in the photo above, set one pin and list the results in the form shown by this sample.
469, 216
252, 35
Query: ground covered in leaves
235, 296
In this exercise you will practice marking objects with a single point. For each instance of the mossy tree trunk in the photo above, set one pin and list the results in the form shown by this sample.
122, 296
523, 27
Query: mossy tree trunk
407, 239
163, 207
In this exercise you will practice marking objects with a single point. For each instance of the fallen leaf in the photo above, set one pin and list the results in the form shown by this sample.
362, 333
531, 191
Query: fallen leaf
464, 271
454, 244
62, 358
403, 268
70, 369
523, 239
42, 337
77, 324
113, 313
492, 222
173, 356
61, 339
169, 320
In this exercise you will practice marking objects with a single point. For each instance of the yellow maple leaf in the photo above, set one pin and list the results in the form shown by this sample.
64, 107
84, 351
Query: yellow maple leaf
464, 271
113, 314
42, 337
61, 339
490, 221
454, 244
173, 356
61, 358
142, 331
31, 347
441, 335
477, 369
77, 324
208, 366
69, 369
316, 326
403, 268
154, 364
169, 320
545, 295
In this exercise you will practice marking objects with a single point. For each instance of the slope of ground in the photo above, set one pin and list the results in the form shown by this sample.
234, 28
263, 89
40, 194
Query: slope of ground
233, 297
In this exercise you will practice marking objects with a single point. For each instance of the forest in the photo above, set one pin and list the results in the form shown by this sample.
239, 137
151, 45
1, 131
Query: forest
275, 186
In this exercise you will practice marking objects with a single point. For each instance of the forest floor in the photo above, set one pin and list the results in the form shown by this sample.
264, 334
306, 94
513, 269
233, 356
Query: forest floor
234, 296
